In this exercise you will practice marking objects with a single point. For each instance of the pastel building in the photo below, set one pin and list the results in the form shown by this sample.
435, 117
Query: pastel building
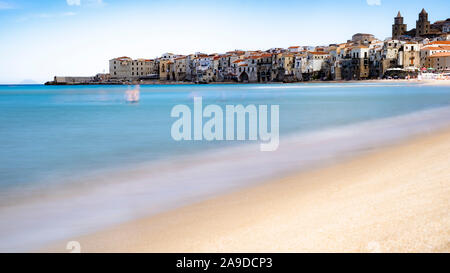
127, 68
440, 61
409, 57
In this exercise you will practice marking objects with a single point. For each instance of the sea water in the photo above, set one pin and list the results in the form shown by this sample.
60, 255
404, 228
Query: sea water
77, 158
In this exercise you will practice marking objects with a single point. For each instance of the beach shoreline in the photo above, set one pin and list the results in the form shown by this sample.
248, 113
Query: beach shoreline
394, 199
78, 201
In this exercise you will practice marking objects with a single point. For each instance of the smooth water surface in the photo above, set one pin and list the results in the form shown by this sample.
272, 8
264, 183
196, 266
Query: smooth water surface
51, 133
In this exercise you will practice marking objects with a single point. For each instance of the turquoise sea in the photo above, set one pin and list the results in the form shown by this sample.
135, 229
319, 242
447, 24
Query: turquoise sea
122, 163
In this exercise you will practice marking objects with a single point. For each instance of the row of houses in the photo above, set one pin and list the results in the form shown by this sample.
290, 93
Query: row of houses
426, 47
363, 57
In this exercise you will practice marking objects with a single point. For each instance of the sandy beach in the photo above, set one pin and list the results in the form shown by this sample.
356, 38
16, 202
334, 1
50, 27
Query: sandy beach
396, 199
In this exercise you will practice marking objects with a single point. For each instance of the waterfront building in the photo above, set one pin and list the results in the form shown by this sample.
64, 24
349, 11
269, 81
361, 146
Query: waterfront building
288, 67
120, 67
252, 70
334, 61
361, 57
264, 67
355, 65
278, 71
300, 66
315, 61
389, 55
440, 61
375, 60
247, 70
166, 69
222, 67
181, 64
218, 76
203, 70
283, 64
428, 51
294, 49
129, 69
409, 56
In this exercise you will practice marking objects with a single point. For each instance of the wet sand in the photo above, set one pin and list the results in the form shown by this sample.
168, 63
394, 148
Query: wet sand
396, 199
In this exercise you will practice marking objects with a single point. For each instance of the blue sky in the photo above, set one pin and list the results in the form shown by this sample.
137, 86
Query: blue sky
40, 39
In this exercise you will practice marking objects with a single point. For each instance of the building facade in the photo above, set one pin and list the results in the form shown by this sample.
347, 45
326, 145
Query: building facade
127, 68
440, 61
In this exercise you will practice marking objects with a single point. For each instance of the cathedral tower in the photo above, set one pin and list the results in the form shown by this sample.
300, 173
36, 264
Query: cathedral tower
398, 28
422, 25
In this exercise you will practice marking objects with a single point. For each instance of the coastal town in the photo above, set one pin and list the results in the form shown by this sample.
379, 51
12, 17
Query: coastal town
422, 52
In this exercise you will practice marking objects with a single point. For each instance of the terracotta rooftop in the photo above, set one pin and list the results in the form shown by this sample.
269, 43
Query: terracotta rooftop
123, 58
441, 54
433, 48
239, 52
318, 53
439, 43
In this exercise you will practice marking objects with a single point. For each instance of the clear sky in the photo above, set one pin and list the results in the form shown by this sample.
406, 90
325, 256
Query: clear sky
40, 39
